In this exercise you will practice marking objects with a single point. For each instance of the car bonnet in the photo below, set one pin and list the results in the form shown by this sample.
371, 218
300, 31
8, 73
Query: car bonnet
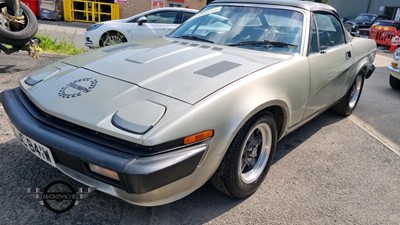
181, 70
126, 90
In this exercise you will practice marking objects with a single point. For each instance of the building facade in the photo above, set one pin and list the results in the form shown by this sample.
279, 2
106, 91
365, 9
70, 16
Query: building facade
132, 7
351, 8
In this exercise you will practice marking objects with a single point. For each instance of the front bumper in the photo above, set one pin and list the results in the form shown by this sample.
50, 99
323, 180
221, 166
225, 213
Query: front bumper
91, 40
73, 150
394, 71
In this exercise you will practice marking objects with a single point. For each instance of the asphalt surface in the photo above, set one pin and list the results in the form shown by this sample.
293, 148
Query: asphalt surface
333, 170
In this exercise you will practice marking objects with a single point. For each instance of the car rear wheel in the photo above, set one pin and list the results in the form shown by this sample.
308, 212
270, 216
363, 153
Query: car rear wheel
349, 102
112, 38
394, 82
248, 158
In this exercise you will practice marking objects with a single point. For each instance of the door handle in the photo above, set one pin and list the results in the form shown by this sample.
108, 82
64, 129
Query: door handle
348, 55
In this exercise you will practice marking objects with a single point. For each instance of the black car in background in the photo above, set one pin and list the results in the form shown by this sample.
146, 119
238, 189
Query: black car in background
363, 20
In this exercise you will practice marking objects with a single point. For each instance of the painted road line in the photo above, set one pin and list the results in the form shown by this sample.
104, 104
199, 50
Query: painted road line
376, 134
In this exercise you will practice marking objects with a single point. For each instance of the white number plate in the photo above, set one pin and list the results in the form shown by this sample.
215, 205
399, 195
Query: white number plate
35, 147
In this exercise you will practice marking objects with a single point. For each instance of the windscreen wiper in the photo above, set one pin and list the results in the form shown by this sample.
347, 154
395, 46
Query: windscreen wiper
195, 38
265, 42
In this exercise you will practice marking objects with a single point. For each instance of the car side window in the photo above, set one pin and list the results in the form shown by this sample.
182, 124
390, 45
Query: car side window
330, 31
162, 17
314, 38
186, 16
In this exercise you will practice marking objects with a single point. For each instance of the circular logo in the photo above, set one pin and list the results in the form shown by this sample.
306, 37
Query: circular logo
77, 88
59, 196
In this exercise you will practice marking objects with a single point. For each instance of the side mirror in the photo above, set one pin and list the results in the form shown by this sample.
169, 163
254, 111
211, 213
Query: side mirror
142, 20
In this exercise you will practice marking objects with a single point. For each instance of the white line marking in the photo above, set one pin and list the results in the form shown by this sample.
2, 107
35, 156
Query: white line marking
376, 134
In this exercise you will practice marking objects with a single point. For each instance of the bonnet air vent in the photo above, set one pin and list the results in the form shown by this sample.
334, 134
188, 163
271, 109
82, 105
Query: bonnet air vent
117, 48
217, 68
205, 46
216, 49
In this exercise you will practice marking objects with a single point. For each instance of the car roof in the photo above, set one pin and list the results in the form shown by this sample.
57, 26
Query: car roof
388, 21
174, 9
369, 14
310, 6
160, 9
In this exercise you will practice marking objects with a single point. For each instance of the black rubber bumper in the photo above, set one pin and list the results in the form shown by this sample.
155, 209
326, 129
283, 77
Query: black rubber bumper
76, 149
371, 69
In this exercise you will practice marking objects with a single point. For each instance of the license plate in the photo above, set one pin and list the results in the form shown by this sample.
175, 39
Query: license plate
35, 147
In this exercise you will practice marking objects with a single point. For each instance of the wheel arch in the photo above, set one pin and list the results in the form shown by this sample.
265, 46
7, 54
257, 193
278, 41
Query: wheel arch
279, 111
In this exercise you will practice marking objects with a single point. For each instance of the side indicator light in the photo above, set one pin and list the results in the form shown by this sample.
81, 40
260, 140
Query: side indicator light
198, 137
103, 171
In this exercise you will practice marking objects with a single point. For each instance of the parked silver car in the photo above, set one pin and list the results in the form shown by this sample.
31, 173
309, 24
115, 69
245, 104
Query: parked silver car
150, 123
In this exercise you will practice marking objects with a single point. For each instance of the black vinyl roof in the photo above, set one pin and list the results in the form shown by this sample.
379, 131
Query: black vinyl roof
307, 5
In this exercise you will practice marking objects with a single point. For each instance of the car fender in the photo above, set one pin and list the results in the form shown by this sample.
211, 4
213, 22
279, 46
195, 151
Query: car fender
226, 110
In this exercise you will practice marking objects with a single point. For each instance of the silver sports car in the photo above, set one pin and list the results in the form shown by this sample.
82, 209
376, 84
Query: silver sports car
151, 122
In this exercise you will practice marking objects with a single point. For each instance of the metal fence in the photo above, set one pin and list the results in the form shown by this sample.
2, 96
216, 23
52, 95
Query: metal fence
90, 11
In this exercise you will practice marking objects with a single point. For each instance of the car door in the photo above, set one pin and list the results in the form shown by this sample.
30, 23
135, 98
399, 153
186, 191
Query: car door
330, 59
158, 24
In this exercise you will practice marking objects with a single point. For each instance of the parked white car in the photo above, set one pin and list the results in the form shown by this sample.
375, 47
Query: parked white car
394, 69
149, 24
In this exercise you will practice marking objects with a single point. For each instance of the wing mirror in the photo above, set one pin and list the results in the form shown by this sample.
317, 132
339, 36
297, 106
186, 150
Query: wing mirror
142, 20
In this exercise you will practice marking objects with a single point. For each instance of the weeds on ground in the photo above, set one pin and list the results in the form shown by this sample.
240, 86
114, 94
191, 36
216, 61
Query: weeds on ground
51, 45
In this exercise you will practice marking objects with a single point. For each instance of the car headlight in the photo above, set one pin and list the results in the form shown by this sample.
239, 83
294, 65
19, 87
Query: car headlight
396, 54
94, 26
354, 26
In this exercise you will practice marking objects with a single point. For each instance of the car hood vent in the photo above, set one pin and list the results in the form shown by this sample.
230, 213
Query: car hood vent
217, 68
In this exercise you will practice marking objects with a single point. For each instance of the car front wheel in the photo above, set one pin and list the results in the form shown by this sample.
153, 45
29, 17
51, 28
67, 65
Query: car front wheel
112, 38
394, 82
248, 158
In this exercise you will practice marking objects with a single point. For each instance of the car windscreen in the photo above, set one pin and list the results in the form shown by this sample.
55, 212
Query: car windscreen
257, 28
370, 18
383, 23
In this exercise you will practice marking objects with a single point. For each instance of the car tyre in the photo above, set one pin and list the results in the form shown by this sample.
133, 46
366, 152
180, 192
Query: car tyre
394, 82
248, 158
349, 102
19, 35
112, 38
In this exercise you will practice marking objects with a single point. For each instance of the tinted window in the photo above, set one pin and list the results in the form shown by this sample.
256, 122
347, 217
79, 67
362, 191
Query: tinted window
186, 16
162, 17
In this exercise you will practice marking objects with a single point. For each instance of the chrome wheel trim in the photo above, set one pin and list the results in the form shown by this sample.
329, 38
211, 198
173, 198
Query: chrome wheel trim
255, 153
112, 40
355, 92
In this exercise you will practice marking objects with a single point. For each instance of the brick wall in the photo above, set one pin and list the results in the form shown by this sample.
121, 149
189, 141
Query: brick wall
133, 7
